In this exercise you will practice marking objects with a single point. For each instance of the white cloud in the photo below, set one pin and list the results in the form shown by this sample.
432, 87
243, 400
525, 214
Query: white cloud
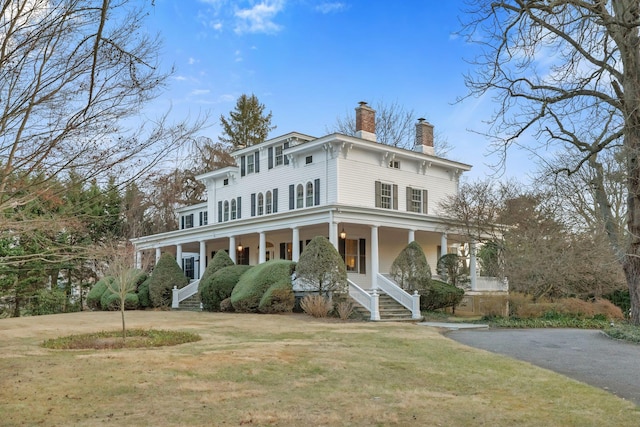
198, 92
238, 56
259, 18
180, 78
329, 7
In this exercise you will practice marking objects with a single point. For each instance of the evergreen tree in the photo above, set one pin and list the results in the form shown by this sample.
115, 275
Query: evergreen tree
321, 267
247, 125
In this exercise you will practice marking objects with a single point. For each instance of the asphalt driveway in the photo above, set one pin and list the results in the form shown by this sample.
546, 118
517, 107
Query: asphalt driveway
588, 356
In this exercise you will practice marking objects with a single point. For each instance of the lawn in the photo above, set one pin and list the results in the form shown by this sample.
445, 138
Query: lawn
284, 370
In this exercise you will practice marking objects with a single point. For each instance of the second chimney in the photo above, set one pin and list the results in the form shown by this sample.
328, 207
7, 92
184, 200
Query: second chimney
366, 122
424, 137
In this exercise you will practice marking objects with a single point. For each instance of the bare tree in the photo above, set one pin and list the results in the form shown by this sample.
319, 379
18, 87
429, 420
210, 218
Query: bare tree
71, 73
395, 126
121, 268
566, 73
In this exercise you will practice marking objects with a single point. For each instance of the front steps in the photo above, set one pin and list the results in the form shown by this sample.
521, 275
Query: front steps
190, 304
390, 310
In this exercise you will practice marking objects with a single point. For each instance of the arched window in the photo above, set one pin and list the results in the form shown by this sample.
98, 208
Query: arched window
226, 211
268, 202
300, 196
260, 204
233, 209
309, 194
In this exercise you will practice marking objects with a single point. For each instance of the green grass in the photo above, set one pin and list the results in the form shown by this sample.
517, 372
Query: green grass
135, 338
625, 332
541, 322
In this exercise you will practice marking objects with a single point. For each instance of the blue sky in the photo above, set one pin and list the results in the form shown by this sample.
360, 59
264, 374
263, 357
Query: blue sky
310, 61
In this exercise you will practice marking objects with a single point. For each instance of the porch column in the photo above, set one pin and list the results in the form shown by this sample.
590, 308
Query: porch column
232, 248
203, 259
158, 255
443, 244
333, 231
374, 257
179, 256
138, 260
412, 236
295, 244
472, 265
263, 248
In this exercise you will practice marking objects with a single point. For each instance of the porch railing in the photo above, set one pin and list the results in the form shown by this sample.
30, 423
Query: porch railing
184, 293
411, 302
365, 299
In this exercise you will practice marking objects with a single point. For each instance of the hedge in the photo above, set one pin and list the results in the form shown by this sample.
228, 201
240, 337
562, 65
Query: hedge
218, 286
252, 286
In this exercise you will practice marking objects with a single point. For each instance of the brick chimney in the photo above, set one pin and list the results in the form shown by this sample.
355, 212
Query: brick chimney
424, 137
365, 122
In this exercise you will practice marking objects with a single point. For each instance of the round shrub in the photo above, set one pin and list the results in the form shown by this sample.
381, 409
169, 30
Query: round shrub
321, 268
279, 298
220, 260
226, 306
440, 295
111, 301
95, 294
410, 269
166, 274
253, 284
218, 286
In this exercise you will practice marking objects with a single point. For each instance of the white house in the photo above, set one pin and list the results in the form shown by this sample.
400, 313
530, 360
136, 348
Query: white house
368, 198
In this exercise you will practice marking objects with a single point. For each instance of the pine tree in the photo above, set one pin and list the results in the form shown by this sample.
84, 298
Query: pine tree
247, 125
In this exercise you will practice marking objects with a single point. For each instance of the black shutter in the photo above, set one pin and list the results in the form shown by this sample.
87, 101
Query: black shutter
201, 219
275, 201
395, 197
220, 211
253, 204
239, 208
286, 158
316, 191
243, 170
182, 222
363, 256
292, 197
378, 194
257, 161
270, 154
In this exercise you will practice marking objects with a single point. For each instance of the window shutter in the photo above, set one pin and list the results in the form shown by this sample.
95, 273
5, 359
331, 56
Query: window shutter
201, 218
378, 194
395, 197
243, 170
316, 192
239, 205
425, 201
270, 154
409, 208
274, 201
253, 204
257, 162
220, 211
286, 158
363, 256
292, 197
182, 222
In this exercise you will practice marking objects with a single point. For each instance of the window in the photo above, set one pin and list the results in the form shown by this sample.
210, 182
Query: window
233, 209
308, 160
226, 211
250, 163
353, 254
300, 196
260, 204
188, 266
309, 194
204, 218
268, 202
226, 181
188, 221
386, 195
394, 164
279, 158
416, 200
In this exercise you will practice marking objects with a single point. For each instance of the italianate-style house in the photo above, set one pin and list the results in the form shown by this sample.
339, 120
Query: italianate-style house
369, 199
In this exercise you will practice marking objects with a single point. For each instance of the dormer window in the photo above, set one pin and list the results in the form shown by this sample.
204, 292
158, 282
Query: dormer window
394, 164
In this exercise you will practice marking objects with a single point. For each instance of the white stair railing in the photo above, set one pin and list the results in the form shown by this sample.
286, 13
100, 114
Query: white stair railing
365, 299
184, 293
411, 302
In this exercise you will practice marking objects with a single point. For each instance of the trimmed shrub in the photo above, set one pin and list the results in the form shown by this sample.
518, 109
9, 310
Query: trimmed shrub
166, 274
316, 305
321, 268
253, 284
218, 286
226, 306
440, 295
143, 294
410, 269
95, 294
279, 298
111, 301
220, 260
